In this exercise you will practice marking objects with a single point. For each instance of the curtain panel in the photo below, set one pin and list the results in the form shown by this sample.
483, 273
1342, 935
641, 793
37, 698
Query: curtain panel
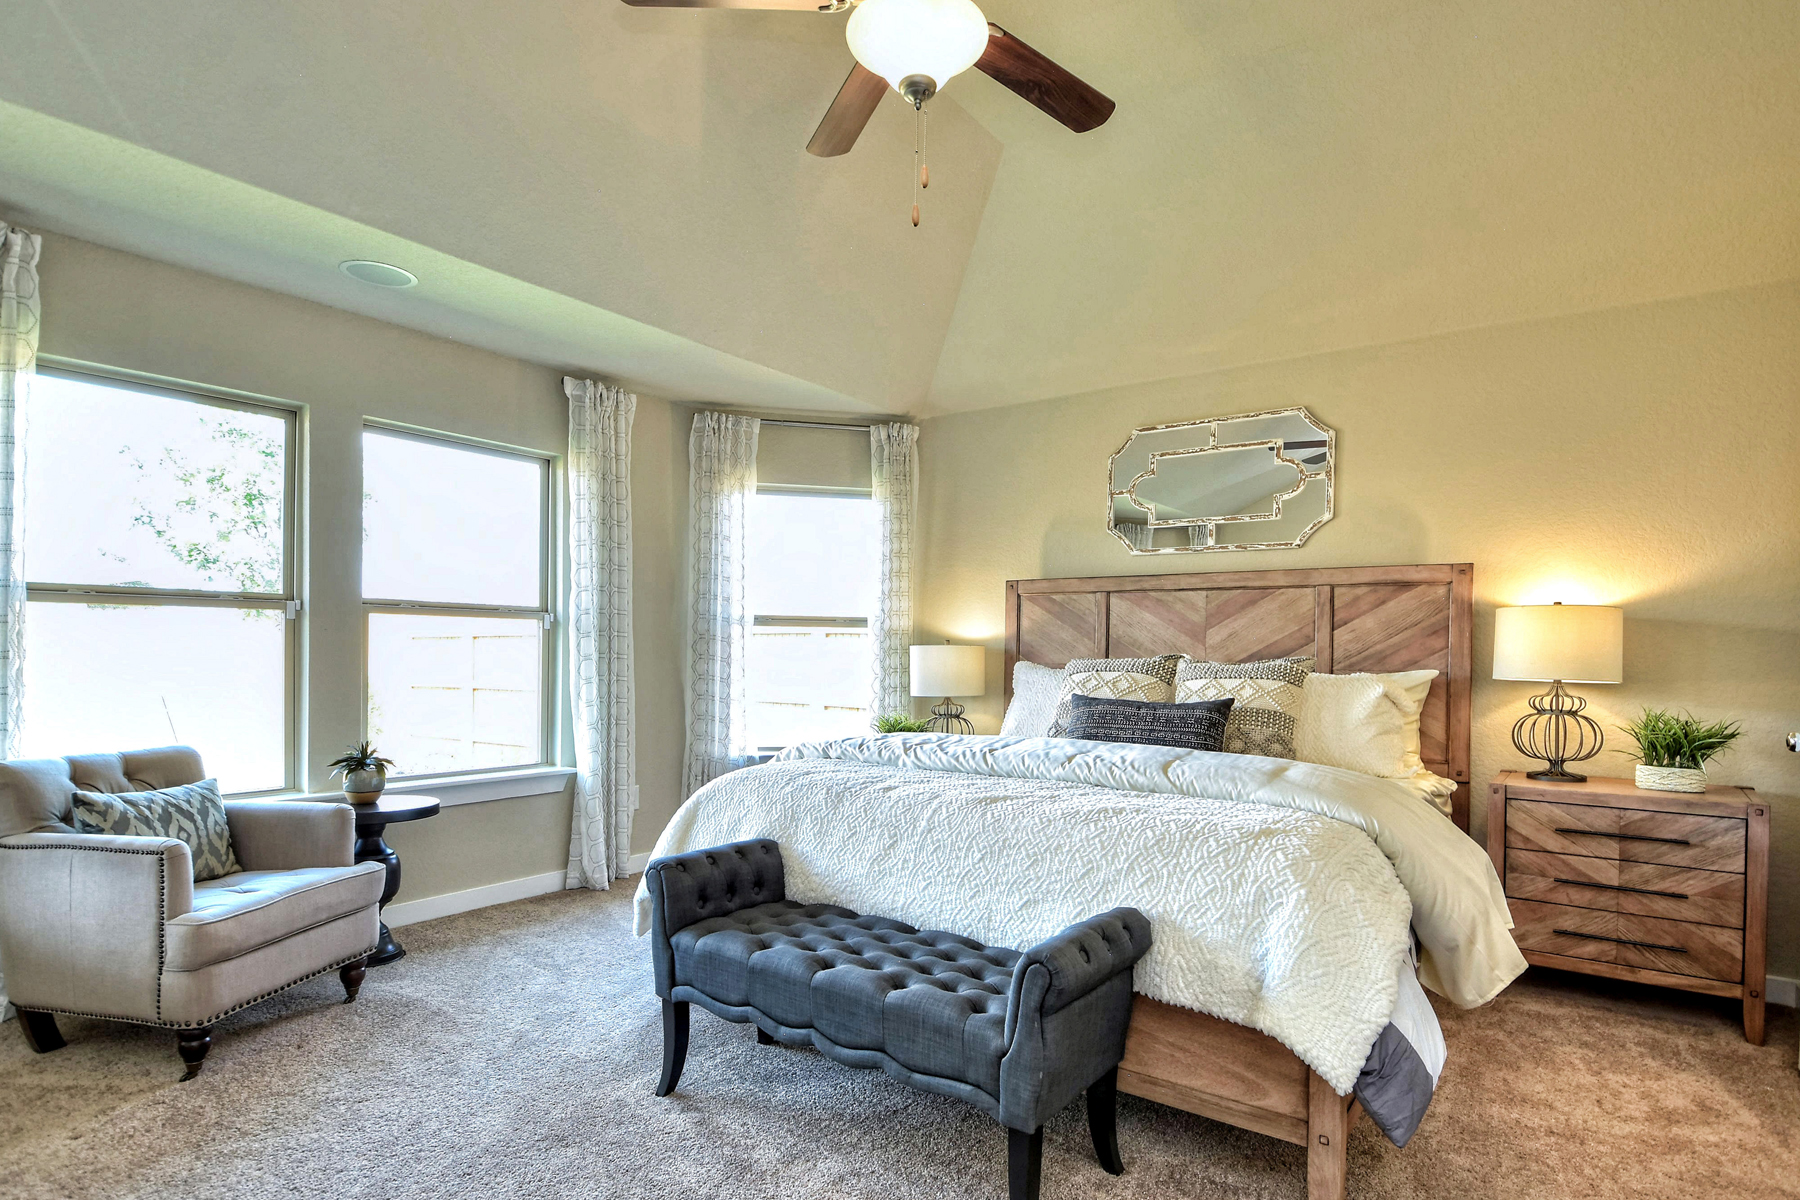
721, 479
19, 314
602, 686
894, 480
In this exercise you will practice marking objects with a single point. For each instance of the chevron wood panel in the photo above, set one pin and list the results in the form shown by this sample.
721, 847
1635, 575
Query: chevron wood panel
1680, 948
1643, 889
1243, 625
1055, 628
1399, 627
1145, 624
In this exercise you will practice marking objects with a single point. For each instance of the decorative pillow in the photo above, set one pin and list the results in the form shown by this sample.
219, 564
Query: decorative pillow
1268, 700
1036, 690
194, 812
1197, 726
1366, 723
1116, 679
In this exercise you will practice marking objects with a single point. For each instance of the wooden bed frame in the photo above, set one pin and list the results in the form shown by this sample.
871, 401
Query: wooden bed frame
1350, 619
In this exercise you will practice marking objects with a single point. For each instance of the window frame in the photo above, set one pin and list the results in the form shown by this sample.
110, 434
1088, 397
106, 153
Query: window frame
287, 601
780, 621
545, 613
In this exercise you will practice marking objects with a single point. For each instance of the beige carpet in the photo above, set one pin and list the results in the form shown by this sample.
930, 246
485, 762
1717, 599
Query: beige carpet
512, 1053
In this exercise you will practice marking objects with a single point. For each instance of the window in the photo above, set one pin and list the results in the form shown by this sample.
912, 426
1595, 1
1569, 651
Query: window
811, 577
456, 594
160, 553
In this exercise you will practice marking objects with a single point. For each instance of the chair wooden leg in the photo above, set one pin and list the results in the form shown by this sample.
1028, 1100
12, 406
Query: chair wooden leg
1024, 1163
192, 1045
1327, 1140
40, 1031
1103, 1121
763, 1038
675, 1044
352, 976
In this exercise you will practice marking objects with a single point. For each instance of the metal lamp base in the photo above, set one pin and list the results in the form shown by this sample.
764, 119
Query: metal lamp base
948, 718
1559, 733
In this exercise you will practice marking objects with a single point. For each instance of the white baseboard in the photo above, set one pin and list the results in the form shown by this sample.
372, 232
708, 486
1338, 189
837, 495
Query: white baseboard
430, 908
636, 863
1780, 990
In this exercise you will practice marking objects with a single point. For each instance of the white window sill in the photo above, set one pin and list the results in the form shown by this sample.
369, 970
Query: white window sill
452, 790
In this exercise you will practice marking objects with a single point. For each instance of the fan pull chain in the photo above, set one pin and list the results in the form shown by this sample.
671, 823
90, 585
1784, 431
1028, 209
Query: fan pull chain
921, 177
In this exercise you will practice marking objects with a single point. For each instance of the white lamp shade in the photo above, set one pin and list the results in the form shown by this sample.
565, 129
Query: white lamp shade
936, 38
1576, 643
949, 671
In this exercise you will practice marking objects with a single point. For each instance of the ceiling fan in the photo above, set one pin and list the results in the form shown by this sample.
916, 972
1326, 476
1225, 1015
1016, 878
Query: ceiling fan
916, 46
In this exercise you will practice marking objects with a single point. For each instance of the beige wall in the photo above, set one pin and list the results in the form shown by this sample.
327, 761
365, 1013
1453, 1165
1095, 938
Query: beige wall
1645, 456
129, 313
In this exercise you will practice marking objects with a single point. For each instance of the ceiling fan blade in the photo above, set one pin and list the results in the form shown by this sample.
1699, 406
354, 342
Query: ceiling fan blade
845, 119
1042, 82
787, 5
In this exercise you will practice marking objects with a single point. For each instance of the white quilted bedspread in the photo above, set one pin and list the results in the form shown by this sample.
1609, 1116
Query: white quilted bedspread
1279, 893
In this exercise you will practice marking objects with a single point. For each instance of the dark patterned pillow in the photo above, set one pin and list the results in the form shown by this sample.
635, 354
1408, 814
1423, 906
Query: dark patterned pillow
1197, 726
1268, 697
194, 812
1115, 678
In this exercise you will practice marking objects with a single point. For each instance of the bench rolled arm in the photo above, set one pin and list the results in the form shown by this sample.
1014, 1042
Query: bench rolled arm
685, 888
1081, 958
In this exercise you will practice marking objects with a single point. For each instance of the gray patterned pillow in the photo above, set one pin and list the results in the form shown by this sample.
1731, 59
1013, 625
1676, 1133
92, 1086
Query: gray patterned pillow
1117, 679
1268, 695
194, 812
1197, 726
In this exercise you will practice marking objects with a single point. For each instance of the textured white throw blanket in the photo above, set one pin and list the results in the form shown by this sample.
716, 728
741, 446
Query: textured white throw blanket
1280, 893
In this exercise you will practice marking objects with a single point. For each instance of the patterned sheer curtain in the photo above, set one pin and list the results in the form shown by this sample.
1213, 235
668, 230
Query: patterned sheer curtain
603, 690
19, 313
721, 479
894, 477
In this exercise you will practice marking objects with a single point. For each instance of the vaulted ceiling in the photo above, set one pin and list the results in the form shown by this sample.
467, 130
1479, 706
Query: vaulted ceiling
625, 191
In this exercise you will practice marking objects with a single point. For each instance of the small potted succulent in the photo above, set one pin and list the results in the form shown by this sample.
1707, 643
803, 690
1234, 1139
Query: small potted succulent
1675, 749
364, 772
901, 723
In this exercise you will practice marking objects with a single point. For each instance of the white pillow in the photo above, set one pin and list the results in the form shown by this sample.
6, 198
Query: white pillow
1366, 723
1035, 693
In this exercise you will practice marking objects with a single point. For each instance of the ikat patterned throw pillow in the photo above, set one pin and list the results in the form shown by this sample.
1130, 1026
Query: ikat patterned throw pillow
1268, 695
194, 812
1115, 679
1197, 726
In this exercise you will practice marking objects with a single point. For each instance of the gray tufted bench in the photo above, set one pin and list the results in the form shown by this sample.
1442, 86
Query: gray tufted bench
1018, 1035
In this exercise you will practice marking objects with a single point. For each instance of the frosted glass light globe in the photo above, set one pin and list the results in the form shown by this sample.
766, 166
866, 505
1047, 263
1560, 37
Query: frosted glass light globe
897, 39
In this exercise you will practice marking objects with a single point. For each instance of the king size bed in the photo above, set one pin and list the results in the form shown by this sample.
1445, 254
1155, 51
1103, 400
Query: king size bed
1296, 907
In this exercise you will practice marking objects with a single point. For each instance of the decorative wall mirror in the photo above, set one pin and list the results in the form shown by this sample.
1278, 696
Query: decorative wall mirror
1260, 481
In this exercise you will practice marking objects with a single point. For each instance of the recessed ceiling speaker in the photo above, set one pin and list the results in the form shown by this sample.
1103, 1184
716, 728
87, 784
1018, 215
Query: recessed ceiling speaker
380, 274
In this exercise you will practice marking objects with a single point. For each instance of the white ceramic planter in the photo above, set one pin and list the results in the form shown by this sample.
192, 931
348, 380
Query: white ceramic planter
364, 787
1671, 779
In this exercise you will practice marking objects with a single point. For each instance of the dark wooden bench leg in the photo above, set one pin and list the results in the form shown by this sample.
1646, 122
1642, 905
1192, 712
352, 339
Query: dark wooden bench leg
763, 1038
1024, 1163
351, 975
675, 1042
40, 1031
1103, 1121
192, 1045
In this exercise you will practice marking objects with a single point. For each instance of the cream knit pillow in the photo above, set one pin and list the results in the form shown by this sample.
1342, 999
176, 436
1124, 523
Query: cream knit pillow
1365, 723
1036, 690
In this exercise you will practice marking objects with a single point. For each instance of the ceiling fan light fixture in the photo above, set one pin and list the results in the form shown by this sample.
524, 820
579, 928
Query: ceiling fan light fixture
917, 45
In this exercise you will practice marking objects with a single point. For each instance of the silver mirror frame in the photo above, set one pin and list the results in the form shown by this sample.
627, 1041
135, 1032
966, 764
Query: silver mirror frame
1210, 429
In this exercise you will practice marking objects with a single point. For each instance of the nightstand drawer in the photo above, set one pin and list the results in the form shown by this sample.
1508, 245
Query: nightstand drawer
1640, 889
1635, 835
1680, 948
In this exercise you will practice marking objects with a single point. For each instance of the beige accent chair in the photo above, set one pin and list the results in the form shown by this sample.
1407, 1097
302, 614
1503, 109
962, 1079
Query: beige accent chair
93, 925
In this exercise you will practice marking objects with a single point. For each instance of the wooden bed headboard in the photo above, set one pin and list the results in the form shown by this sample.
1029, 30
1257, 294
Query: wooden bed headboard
1349, 618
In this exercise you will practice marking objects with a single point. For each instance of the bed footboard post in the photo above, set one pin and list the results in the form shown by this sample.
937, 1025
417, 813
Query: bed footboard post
1327, 1137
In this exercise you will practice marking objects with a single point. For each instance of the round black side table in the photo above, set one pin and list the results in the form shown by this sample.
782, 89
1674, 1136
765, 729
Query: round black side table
372, 821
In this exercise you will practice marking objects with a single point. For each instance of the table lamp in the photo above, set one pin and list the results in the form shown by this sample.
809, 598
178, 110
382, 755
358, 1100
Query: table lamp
1558, 644
948, 671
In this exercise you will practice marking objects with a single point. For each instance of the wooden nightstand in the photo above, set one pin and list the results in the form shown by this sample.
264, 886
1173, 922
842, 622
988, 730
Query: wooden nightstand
1669, 888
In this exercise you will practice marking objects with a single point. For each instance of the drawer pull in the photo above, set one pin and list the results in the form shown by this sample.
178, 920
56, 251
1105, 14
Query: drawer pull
1601, 937
1629, 837
1619, 887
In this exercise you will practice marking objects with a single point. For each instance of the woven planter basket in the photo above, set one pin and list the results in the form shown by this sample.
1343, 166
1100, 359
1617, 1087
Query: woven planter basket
1671, 779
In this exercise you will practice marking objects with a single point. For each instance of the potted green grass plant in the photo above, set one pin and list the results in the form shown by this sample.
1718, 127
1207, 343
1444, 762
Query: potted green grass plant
1674, 750
901, 723
364, 772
